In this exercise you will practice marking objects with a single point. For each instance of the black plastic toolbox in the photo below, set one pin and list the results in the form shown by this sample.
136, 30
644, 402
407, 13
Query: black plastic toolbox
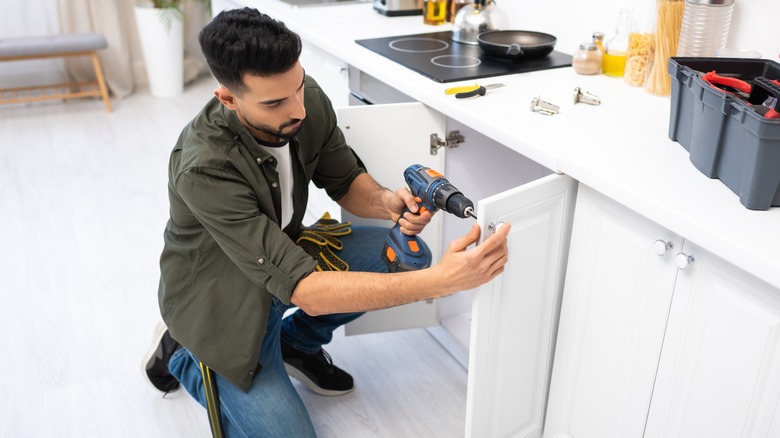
727, 136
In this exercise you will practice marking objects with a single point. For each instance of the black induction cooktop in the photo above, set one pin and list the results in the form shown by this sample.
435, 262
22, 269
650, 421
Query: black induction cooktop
438, 57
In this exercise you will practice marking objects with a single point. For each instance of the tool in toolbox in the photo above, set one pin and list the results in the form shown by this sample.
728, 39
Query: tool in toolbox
766, 94
433, 192
762, 95
471, 90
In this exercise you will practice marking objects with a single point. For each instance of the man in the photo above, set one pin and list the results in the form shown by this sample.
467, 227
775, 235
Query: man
238, 179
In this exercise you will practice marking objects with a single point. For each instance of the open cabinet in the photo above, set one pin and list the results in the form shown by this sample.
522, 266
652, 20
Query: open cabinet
388, 139
514, 318
391, 137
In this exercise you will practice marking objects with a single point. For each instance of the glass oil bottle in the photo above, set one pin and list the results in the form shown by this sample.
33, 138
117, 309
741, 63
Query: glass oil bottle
615, 57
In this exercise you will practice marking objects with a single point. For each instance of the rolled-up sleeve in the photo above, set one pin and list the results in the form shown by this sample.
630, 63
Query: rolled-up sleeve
227, 207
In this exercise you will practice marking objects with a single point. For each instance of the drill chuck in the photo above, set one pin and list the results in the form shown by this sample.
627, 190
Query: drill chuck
459, 205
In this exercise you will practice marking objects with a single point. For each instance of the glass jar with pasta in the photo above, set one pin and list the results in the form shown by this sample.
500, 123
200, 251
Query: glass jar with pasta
669, 14
641, 43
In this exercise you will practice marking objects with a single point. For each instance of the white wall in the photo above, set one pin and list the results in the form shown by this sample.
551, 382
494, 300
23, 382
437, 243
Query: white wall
749, 29
573, 21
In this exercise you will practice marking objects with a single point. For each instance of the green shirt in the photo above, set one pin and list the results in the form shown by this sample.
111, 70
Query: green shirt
225, 256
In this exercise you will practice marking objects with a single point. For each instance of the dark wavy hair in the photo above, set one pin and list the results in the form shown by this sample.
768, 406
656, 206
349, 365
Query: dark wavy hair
242, 41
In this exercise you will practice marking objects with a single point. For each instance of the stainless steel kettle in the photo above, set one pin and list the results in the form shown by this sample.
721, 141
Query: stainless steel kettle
472, 20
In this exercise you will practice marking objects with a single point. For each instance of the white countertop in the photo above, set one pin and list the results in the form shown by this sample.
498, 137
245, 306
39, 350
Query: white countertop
620, 148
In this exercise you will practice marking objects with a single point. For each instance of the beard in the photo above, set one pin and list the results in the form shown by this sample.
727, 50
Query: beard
277, 132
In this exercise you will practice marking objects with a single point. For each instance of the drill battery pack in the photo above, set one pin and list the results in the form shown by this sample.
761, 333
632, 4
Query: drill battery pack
413, 253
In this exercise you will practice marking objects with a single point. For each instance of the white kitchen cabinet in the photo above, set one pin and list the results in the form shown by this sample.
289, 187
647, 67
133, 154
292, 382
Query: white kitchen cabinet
616, 300
646, 349
719, 373
390, 138
515, 317
480, 167
329, 72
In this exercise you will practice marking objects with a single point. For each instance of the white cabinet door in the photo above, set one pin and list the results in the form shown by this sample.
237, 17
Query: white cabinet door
390, 138
515, 316
614, 311
719, 374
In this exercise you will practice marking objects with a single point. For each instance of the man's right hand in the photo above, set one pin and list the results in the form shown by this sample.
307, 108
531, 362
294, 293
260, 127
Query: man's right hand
412, 222
463, 269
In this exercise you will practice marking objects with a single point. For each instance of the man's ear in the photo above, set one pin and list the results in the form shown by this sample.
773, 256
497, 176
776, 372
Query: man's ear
226, 97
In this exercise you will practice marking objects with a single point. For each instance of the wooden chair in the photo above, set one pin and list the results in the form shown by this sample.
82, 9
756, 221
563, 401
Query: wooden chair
55, 46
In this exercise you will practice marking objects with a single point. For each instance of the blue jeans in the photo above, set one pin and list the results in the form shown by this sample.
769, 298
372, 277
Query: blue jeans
271, 407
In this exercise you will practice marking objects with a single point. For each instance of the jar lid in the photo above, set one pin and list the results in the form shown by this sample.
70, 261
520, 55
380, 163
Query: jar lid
711, 2
588, 46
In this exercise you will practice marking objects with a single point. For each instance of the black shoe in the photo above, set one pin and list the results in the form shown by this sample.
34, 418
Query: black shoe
155, 362
316, 371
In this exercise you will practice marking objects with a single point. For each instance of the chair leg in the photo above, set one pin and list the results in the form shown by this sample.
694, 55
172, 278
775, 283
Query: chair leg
101, 80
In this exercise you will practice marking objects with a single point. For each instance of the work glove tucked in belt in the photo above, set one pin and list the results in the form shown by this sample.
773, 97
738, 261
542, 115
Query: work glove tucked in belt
321, 238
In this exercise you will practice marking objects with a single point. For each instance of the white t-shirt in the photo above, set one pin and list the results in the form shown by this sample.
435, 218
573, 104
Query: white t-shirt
284, 169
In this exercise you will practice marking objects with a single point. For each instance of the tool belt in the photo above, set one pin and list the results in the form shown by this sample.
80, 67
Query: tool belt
320, 240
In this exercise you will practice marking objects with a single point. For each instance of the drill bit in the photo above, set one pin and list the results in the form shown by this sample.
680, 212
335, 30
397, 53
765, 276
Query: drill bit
470, 212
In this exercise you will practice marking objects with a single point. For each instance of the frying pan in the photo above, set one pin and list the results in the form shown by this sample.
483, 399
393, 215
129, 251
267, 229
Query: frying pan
516, 44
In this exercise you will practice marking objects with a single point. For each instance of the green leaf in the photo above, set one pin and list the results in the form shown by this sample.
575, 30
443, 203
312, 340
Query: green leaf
171, 10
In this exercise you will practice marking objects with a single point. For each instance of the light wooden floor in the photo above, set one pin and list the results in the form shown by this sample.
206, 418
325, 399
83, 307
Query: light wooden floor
82, 207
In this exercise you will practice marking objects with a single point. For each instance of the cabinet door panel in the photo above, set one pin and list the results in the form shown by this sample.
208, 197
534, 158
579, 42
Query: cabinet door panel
615, 306
390, 138
719, 374
515, 316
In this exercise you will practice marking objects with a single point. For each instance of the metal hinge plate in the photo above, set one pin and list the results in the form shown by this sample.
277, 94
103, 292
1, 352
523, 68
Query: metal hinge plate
453, 140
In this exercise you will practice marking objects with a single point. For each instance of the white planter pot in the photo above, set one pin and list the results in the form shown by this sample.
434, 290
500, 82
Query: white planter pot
163, 51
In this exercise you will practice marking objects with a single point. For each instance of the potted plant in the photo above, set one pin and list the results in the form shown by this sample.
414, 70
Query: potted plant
160, 26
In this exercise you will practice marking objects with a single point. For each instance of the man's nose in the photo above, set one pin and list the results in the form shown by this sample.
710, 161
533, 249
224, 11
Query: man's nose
298, 110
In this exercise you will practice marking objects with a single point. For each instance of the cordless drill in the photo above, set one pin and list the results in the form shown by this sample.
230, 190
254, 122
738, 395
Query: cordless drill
433, 192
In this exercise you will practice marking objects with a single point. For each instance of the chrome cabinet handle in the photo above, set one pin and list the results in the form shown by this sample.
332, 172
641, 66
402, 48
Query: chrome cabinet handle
494, 226
683, 260
661, 247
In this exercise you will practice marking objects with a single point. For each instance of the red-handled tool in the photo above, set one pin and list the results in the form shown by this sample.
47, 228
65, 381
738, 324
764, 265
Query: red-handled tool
743, 90
717, 80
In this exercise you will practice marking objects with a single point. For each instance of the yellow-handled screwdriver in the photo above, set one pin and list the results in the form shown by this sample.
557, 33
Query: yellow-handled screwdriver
471, 90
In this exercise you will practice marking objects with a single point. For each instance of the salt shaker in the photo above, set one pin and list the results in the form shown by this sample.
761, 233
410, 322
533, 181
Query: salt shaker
587, 60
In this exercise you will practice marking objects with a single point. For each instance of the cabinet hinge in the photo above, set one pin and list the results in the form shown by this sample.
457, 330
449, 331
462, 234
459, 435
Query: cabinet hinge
453, 140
